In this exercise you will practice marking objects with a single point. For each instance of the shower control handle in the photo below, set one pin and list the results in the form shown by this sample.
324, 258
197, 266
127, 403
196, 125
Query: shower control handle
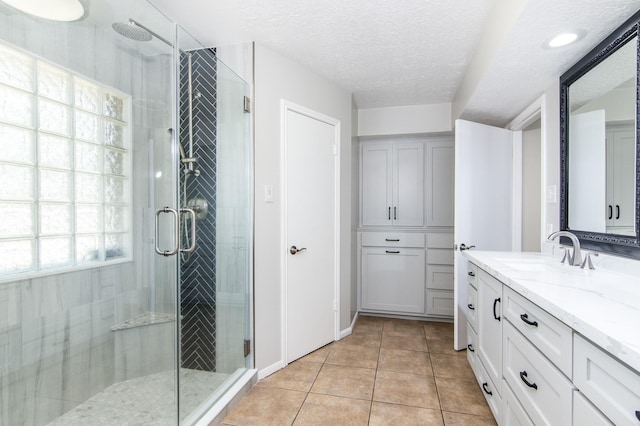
192, 247
176, 235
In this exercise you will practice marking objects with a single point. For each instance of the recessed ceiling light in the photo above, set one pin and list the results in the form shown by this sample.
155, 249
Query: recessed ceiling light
563, 39
55, 10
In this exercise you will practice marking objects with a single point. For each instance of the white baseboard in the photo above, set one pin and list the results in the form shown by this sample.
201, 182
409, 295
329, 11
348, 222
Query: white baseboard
347, 331
267, 371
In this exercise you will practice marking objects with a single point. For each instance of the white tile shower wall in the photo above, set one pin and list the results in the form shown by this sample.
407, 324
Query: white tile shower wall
56, 346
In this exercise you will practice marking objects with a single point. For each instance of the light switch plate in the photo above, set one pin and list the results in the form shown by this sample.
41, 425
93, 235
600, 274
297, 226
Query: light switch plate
268, 193
552, 194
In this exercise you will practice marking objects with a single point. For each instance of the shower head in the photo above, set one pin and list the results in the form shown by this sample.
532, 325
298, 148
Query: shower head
132, 31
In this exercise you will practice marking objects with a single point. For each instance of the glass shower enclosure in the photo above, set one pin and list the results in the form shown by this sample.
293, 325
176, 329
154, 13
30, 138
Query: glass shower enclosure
125, 220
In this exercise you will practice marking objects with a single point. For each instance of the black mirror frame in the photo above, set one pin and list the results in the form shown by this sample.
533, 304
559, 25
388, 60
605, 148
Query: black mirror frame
616, 244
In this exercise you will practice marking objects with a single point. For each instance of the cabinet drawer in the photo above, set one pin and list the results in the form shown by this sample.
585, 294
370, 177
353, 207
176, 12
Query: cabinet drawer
544, 392
392, 239
512, 412
611, 386
440, 277
472, 306
440, 302
547, 333
472, 342
472, 272
440, 256
444, 241
584, 413
490, 392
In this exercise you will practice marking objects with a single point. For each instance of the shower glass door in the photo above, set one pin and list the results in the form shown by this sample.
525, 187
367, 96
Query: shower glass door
88, 309
214, 145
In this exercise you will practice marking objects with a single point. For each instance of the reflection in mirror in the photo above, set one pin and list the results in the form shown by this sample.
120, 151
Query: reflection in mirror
602, 145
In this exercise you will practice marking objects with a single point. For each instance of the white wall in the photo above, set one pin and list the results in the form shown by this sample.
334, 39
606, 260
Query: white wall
400, 120
550, 122
355, 204
276, 78
531, 205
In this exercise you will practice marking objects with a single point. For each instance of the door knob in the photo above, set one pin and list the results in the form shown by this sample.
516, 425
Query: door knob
464, 247
293, 250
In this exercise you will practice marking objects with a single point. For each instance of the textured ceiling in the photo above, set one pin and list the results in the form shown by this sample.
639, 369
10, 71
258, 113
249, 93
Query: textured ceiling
390, 53
522, 70
384, 52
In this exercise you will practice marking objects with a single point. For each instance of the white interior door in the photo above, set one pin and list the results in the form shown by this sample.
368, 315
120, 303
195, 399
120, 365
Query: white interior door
483, 203
310, 226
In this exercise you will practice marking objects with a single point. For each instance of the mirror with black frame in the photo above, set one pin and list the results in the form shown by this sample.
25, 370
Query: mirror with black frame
600, 200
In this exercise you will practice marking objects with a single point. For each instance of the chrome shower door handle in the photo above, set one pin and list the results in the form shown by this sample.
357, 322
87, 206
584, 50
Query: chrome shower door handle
176, 234
192, 247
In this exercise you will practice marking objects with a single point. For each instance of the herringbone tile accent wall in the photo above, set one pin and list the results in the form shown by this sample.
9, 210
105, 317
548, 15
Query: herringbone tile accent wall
198, 283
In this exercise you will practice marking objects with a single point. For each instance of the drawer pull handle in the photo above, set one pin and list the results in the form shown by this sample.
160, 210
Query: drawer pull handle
638, 414
523, 376
471, 274
484, 388
392, 239
470, 347
392, 252
525, 318
471, 307
495, 303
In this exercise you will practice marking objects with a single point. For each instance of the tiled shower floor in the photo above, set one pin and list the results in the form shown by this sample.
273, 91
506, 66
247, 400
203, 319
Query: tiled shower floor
145, 401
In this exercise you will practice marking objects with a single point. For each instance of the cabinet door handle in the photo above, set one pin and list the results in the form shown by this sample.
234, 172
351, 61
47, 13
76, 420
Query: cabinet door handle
525, 318
610, 211
495, 303
484, 388
471, 274
617, 211
395, 213
471, 307
523, 376
392, 252
470, 347
392, 239
389, 214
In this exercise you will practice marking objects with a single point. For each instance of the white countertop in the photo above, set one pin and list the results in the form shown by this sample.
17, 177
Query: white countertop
602, 305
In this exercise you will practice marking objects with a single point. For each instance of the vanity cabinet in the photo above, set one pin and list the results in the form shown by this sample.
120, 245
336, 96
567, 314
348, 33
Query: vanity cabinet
489, 312
534, 369
392, 183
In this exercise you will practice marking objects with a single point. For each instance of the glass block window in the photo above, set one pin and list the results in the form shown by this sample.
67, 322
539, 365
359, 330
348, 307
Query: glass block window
65, 173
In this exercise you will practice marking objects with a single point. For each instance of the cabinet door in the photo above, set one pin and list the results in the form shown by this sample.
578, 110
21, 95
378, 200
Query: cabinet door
376, 186
408, 184
490, 326
624, 177
393, 279
439, 183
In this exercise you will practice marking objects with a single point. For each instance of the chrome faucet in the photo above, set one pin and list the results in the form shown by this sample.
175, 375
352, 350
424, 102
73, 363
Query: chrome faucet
575, 258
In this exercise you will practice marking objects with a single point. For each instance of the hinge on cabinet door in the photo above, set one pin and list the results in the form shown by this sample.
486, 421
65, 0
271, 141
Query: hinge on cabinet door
247, 104
247, 348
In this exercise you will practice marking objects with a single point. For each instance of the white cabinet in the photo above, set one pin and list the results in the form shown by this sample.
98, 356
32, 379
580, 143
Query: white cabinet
621, 178
610, 385
392, 184
393, 273
440, 274
490, 326
439, 183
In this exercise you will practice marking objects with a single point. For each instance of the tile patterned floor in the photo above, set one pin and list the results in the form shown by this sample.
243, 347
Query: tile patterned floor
388, 372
